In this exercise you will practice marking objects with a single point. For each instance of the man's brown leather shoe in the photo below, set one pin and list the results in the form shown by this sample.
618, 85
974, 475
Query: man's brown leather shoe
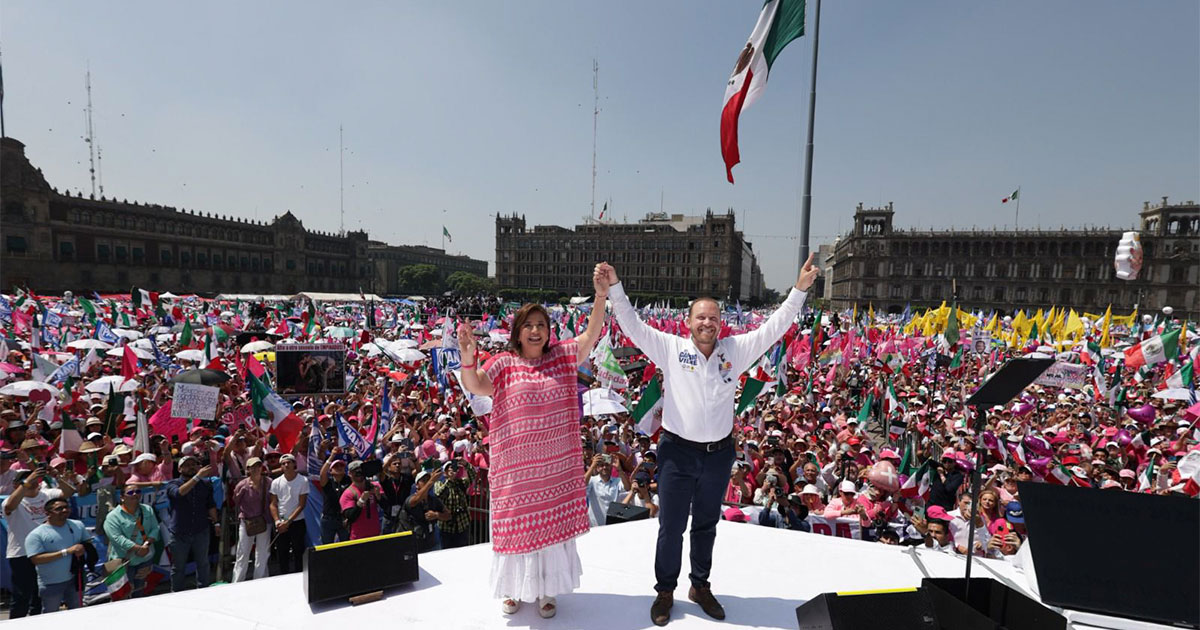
708, 603
660, 610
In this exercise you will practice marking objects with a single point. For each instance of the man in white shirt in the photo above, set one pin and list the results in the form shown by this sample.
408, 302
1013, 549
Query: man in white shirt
24, 510
602, 487
289, 495
696, 450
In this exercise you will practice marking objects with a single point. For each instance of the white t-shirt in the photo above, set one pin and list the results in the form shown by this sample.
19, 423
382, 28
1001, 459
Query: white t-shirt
289, 493
600, 495
960, 531
30, 513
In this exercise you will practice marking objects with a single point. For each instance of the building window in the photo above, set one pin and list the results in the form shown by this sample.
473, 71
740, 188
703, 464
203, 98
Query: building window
122, 253
164, 256
201, 259
139, 255
998, 294
66, 250
185, 258
102, 253
16, 244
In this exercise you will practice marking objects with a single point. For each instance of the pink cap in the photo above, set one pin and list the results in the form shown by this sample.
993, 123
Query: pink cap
938, 512
735, 515
888, 453
57, 461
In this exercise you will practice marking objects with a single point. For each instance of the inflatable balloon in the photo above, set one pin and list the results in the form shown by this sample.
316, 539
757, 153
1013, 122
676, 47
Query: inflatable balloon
1143, 414
1022, 409
1038, 445
1040, 466
883, 476
1128, 260
1123, 438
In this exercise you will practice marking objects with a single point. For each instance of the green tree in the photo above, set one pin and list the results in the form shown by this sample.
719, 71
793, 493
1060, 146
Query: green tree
420, 279
469, 284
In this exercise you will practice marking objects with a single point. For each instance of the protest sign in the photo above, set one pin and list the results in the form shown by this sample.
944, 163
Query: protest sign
194, 401
1063, 374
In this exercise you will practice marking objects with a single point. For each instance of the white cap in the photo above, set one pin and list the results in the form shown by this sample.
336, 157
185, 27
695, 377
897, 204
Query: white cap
145, 457
811, 489
848, 486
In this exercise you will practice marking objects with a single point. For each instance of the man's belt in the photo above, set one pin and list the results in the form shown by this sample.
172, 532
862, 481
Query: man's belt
707, 447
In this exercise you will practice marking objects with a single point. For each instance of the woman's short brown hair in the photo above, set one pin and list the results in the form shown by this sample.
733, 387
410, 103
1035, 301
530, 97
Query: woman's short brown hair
523, 314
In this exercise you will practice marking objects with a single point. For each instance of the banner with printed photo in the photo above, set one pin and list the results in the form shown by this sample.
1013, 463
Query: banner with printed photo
1063, 374
313, 368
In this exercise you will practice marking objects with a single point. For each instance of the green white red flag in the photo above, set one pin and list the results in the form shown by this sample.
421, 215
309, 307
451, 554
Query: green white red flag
780, 22
1154, 350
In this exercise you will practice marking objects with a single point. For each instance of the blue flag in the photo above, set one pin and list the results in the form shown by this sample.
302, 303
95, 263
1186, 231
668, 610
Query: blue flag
104, 332
352, 437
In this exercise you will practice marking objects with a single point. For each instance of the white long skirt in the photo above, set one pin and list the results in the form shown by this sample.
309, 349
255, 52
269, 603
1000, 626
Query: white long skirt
543, 573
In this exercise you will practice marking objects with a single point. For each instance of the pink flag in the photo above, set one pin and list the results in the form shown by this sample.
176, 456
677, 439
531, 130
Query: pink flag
164, 424
254, 366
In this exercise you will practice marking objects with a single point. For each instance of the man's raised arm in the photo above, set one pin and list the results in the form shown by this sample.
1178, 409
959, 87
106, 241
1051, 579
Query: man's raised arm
655, 344
753, 344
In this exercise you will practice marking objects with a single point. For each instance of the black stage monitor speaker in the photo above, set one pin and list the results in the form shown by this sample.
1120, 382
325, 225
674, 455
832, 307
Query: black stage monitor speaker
621, 513
1115, 553
937, 605
345, 569
899, 609
991, 605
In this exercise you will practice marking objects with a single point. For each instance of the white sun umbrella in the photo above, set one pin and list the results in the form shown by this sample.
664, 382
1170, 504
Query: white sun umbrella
23, 388
403, 343
499, 336
168, 294
1174, 393
408, 355
160, 330
137, 352
371, 349
89, 344
416, 327
144, 344
258, 346
190, 355
598, 402
126, 333
116, 382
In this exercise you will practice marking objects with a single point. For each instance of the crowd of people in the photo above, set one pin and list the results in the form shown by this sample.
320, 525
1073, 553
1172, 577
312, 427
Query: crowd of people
851, 424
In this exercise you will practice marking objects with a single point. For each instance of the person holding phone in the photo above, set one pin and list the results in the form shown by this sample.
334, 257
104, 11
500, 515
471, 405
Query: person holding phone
534, 426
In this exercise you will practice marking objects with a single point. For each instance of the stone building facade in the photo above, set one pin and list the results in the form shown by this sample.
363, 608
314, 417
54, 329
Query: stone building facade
54, 242
664, 255
1018, 269
386, 261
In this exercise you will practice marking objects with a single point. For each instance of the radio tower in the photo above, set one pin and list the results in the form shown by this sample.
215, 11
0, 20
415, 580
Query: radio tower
595, 119
91, 133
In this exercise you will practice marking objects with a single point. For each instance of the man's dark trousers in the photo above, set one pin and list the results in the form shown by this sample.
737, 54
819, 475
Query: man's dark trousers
688, 478
290, 546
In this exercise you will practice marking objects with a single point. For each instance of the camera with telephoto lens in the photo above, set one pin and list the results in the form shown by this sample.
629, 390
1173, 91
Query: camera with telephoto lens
771, 480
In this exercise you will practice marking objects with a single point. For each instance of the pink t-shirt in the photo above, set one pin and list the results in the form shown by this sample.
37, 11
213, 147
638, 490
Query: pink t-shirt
367, 523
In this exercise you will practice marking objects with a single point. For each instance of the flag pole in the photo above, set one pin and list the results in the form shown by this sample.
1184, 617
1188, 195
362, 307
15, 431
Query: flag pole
806, 200
1017, 216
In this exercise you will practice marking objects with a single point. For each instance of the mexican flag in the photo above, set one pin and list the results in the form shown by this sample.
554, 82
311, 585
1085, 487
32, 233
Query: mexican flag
142, 297
918, 483
1183, 378
446, 233
750, 390
1154, 350
1146, 479
865, 412
1013, 197
270, 406
646, 411
951, 333
780, 22
891, 401
185, 336
117, 583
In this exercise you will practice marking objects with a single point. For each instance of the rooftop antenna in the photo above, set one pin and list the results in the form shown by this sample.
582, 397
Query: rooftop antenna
341, 184
91, 133
595, 120
2, 134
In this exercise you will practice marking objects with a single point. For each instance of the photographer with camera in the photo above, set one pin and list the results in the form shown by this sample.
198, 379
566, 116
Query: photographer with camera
426, 511
452, 490
640, 495
397, 483
360, 503
602, 487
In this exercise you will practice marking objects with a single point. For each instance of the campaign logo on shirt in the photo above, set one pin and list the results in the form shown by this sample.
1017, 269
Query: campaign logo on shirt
724, 366
688, 360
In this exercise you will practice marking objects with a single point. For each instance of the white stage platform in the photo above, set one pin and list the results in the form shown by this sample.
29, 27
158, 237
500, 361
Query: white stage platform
760, 575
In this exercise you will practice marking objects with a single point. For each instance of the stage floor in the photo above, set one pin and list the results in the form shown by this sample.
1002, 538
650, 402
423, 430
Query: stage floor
760, 575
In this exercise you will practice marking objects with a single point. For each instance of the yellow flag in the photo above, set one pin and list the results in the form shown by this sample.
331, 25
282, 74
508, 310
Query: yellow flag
1105, 341
870, 313
1073, 324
